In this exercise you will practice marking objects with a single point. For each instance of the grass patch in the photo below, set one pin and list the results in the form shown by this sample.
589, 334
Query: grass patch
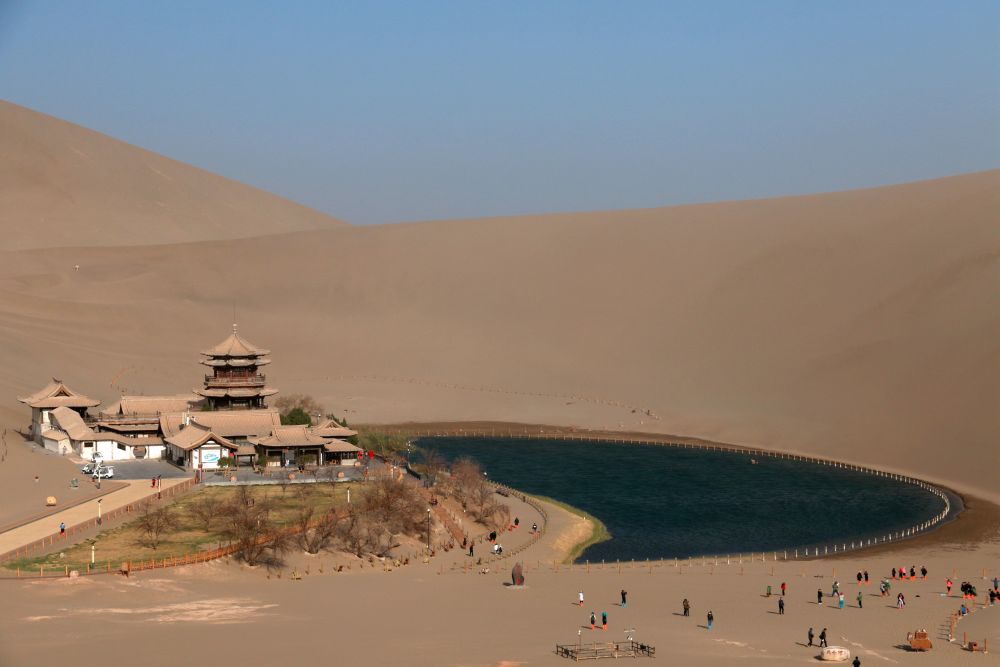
599, 532
125, 542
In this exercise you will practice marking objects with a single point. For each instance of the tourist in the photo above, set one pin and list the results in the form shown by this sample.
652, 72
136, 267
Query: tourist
781, 606
893, 573
962, 611
62, 529
881, 588
996, 584
604, 620
866, 577
624, 598
581, 598
686, 606
517, 522
900, 601
534, 527
822, 639
948, 582
857, 662
711, 619
993, 596
472, 549
860, 577
913, 573
840, 600
819, 596
811, 635
923, 571
783, 587
593, 620
860, 597
836, 588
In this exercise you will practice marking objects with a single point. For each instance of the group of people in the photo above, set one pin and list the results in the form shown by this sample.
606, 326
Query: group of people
912, 574
604, 614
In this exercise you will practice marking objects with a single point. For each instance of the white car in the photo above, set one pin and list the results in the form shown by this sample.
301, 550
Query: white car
103, 472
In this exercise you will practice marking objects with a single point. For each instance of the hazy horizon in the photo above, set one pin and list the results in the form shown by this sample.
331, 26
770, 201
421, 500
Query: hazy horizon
390, 113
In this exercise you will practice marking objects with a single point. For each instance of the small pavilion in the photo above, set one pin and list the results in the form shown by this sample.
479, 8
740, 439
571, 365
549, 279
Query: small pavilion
197, 446
54, 395
289, 445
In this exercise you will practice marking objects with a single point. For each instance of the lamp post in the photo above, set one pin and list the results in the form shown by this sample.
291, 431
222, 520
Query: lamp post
93, 549
99, 520
428, 530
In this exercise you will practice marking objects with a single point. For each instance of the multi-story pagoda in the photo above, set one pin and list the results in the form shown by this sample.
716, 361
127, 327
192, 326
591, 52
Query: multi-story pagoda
236, 381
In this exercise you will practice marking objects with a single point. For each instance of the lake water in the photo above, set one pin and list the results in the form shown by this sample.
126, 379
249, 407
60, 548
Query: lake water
666, 502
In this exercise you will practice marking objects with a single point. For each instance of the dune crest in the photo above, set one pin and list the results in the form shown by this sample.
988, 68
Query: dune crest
65, 185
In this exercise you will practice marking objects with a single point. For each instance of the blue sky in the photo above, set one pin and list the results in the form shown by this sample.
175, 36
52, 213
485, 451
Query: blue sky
381, 111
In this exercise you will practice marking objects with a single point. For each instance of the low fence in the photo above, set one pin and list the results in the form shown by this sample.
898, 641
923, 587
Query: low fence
40, 546
126, 566
803, 552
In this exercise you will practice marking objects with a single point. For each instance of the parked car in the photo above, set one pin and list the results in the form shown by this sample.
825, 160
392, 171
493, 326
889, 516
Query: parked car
88, 469
104, 472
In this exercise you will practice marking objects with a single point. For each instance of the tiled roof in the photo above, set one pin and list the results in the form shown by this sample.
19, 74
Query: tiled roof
227, 423
195, 435
235, 346
55, 394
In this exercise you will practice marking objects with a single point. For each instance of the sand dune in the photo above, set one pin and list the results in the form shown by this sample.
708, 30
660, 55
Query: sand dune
64, 185
859, 325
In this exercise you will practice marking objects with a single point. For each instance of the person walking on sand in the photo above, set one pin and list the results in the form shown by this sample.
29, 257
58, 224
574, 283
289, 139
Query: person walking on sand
923, 571
62, 529
893, 573
783, 587
900, 601
840, 600
866, 577
836, 588
472, 548
711, 619
686, 606
580, 595
624, 598
860, 598
593, 620
819, 596
860, 577
604, 620
811, 635
822, 639
781, 606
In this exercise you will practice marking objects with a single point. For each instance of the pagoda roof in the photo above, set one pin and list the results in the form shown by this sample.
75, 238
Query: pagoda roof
340, 447
235, 346
328, 428
236, 392
150, 405
56, 394
236, 362
228, 423
289, 436
69, 420
195, 435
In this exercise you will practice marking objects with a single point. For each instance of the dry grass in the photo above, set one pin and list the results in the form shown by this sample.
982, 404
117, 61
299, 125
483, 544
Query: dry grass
125, 542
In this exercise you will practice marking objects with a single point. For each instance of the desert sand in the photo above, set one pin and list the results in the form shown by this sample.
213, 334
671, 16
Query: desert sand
860, 326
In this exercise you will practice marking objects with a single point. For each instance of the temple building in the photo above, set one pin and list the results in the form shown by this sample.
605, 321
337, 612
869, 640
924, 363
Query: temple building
236, 381
227, 419
54, 395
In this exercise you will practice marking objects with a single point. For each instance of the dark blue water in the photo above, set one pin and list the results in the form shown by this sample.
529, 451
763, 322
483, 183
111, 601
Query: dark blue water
666, 502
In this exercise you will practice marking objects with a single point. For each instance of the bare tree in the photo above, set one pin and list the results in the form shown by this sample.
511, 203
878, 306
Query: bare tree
205, 509
357, 532
315, 533
154, 523
433, 464
250, 527
307, 404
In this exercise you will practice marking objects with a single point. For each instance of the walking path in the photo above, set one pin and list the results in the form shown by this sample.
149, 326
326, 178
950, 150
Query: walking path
78, 514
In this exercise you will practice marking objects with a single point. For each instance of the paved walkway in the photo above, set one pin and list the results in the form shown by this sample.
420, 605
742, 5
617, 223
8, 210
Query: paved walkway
36, 530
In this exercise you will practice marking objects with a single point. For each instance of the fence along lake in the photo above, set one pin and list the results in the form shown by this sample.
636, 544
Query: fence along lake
670, 502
